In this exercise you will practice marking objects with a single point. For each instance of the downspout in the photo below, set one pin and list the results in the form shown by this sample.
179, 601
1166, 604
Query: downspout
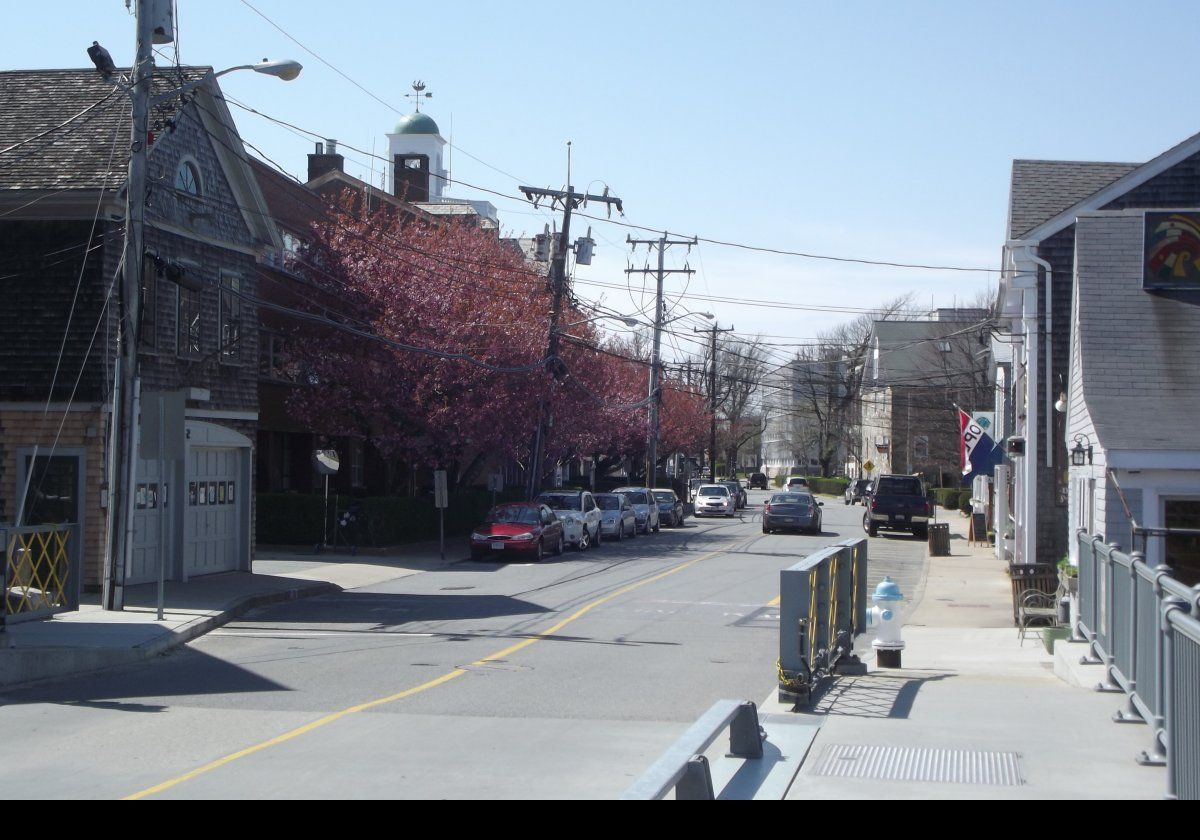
1049, 384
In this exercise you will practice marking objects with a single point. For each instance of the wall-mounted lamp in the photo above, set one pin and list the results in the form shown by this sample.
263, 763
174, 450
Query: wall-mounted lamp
1081, 455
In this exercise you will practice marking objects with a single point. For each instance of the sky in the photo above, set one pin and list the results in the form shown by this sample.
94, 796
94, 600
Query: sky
864, 130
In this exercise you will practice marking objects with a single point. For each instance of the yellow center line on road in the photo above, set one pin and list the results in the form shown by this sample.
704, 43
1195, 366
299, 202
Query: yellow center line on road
774, 602
434, 683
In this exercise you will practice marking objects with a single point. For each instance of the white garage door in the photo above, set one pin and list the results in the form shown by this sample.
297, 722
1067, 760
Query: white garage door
212, 523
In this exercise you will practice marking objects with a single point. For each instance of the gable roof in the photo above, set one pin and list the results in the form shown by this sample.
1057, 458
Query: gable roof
61, 129
1041, 189
1106, 194
67, 131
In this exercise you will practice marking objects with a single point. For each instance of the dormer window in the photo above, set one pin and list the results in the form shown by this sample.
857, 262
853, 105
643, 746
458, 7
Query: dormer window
187, 178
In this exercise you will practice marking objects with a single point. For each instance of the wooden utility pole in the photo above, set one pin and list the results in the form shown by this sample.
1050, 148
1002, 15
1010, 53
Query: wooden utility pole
655, 392
712, 399
568, 200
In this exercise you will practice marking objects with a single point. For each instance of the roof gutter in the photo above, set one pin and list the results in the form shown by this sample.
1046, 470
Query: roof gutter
1048, 331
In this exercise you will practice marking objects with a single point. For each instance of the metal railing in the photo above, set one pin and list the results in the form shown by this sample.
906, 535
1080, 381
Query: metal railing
40, 574
823, 607
1143, 625
683, 766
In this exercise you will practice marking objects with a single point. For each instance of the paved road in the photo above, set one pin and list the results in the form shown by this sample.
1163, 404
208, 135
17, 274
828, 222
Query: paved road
561, 680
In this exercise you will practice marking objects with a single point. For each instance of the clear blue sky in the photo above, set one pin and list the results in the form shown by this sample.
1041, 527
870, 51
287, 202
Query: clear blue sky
881, 130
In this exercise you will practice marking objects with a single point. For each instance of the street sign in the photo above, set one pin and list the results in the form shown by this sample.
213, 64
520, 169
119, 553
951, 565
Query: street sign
441, 496
868, 466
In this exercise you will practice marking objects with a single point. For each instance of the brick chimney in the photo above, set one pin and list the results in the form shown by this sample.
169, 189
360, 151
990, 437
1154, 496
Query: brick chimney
325, 160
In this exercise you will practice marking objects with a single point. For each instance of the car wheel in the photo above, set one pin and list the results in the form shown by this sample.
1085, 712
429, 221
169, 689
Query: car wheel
539, 554
848, 502
921, 533
766, 530
620, 532
656, 526
562, 546
598, 538
870, 527
585, 540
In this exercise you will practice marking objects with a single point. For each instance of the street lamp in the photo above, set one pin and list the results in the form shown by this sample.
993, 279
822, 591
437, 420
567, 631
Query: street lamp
625, 319
127, 384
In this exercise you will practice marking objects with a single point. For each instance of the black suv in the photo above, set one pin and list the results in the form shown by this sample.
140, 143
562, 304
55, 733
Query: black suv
758, 481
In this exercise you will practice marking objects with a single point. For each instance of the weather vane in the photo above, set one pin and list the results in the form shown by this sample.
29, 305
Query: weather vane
418, 93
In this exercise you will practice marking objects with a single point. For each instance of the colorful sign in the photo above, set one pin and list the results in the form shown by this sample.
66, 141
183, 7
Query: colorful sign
1172, 251
977, 447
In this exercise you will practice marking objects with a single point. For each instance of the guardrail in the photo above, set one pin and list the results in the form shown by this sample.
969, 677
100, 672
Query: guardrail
40, 572
683, 766
1143, 626
823, 607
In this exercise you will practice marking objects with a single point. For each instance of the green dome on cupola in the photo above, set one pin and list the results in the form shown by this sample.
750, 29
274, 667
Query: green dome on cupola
417, 123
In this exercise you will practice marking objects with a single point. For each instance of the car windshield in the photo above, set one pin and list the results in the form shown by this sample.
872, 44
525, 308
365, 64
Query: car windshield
665, 495
508, 514
861, 485
636, 498
899, 486
714, 491
563, 502
607, 502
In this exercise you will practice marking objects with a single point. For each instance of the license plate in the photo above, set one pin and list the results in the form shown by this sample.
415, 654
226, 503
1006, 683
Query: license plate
896, 517
498, 545
789, 519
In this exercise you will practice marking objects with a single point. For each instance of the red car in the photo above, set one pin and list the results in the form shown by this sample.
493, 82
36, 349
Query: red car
527, 529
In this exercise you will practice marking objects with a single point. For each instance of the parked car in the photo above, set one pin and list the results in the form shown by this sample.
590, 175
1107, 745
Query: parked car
617, 518
644, 506
670, 509
758, 481
792, 512
796, 482
579, 515
738, 491
897, 503
715, 500
858, 489
526, 529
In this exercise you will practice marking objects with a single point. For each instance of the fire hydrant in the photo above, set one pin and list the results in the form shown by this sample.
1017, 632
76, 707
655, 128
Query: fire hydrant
885, 617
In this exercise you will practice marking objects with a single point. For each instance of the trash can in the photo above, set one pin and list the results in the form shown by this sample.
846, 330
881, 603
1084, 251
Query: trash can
939, 539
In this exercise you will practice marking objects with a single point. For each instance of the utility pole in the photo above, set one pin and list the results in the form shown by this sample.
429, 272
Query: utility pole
655, 393
123, 446
568, 200
712, 400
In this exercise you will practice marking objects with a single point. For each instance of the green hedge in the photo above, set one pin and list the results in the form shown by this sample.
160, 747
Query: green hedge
953, 498
295, 519
829, 486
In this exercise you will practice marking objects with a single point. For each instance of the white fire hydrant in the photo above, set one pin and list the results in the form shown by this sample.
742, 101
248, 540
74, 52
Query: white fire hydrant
885, 618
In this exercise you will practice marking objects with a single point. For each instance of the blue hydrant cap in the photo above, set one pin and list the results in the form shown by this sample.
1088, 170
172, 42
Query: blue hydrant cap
888, 590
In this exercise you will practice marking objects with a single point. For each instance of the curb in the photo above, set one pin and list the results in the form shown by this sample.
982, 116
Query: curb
27, 666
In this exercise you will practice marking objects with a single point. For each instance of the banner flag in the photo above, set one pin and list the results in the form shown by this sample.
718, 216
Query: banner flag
978, 450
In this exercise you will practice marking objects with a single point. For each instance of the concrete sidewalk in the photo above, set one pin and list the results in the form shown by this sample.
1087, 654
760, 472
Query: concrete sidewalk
91, 638
973, 714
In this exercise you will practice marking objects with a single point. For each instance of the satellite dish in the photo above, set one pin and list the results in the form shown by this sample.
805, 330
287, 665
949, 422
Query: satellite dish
325, 461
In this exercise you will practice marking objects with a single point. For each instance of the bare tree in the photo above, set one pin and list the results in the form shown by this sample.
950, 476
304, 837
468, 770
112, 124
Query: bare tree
828, 378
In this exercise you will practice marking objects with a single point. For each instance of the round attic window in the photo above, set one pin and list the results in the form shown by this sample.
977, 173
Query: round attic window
187, 178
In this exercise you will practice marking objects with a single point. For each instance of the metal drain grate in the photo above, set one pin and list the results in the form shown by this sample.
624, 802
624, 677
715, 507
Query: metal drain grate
907, 764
